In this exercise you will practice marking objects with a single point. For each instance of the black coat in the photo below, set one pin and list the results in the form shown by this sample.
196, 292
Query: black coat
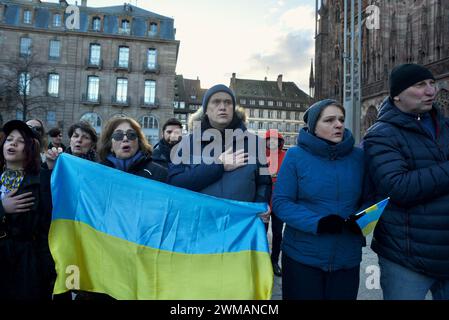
161, 153
145, 168
26, 266
411, 167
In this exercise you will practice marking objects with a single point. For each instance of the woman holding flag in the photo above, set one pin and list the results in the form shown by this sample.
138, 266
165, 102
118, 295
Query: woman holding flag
318, 188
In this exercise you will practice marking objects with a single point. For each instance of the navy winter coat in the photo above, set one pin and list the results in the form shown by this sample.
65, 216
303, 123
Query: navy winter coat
318, 179
243, 184
406, 163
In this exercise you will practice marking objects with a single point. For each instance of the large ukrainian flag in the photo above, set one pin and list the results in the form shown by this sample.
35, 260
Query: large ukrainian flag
134, 238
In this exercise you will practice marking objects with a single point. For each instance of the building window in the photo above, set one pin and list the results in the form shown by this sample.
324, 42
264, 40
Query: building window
297, 114
270, 103
260, 125
122, 90
150, 127
150, 92
25, 47
125, 27
51, 118
151, 58
251, 113
252, 125
261, 102
296, 127
242, 101
182, 105
53, 84
24, 83
287, 115
27, 16
96, 24
288, 104
94, 120
270, 114
252, 102
279, 103
279, 114
297, 105
152, 31
95, 54
55, 49
287, 127
123, 57
57, 20
93, 88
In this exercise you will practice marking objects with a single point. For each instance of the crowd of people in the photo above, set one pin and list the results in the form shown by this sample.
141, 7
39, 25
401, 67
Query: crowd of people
312, 188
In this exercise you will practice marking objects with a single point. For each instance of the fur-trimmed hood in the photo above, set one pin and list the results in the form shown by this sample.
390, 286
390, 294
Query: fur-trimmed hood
198, 116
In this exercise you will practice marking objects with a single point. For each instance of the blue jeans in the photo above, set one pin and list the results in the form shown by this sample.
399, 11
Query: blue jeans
400, 283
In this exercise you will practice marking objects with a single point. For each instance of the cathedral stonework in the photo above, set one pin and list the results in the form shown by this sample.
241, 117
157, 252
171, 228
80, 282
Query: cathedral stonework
410, 31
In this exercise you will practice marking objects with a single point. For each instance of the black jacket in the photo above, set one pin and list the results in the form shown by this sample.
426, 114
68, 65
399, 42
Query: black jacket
161, 153
409, 165
26, 266
145, 168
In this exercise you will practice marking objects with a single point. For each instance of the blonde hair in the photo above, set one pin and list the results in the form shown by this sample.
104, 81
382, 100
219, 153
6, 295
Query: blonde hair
105, 144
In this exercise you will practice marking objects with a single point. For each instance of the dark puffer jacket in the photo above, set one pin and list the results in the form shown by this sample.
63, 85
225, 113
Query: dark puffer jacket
407, 164
203, 175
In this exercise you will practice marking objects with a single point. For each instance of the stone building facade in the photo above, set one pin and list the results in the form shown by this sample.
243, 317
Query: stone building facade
272, 105
120, 61
411, 31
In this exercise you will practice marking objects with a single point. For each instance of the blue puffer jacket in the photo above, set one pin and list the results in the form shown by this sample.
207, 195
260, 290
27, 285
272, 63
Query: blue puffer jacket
318, 179
406, 163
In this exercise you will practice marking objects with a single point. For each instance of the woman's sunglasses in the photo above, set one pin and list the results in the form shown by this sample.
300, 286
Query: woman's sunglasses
119, 135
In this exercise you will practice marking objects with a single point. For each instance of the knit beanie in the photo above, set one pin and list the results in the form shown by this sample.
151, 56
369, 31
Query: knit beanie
217, 88
405, 76
314, 111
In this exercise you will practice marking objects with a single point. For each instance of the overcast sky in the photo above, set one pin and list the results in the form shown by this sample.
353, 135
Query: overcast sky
253, 38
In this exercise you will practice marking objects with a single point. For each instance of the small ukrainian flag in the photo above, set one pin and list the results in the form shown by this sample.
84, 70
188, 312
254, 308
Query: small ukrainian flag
368, 218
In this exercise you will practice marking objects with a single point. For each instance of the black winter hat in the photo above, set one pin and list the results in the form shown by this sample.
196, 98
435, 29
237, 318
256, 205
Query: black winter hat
12, 125
406, 75
217, 88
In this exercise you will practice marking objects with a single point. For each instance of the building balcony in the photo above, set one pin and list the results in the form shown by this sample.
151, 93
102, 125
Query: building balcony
120, 102
151, 69
122, 67
94, 65
91, 100
149, 104
126, 31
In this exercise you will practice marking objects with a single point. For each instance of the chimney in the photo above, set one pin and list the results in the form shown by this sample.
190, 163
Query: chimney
280, 82
265, 78
83, 3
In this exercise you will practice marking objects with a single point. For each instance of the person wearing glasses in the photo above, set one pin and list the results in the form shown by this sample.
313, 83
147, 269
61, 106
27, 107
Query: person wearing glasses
123, 146
26, 266
55, 135
39, 130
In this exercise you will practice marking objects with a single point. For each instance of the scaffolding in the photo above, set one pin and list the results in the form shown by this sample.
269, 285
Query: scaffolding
352, 59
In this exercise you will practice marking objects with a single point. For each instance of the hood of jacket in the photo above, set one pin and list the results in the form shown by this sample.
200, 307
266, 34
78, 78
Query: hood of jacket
322, 148
272, 133
391, 114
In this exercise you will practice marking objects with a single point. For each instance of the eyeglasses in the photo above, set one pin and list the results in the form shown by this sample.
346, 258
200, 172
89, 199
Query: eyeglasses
119, 135
36, 129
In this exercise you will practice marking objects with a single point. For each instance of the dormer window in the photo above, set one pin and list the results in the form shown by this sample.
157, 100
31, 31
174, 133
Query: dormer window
152, 31
57, 20
125, 27
96, 24
27, 16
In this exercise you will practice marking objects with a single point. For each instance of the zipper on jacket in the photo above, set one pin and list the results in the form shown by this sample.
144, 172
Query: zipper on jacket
334, 244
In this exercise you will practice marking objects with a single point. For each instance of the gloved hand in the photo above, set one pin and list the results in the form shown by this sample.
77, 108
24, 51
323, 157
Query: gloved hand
331, 224
353, 226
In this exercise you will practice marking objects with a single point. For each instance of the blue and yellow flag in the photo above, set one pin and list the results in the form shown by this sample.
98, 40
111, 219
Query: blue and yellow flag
368, 218
134, 238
